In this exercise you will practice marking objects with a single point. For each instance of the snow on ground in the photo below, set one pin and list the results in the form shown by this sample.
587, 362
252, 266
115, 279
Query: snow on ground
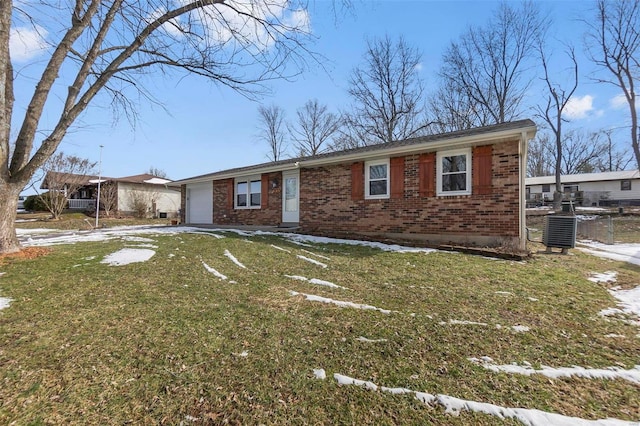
454, 406
365, 340
459, 322
126, 256
214, 272
319, 373
315, 254
632, 375
629, 253
316, 281
341, 303
628, 302
323, 265
5, 302
520, 328
65, 237
280, 248
604, 277
35, 231
233, 259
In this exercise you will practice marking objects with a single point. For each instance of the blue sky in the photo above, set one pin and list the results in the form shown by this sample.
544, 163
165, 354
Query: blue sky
209, 128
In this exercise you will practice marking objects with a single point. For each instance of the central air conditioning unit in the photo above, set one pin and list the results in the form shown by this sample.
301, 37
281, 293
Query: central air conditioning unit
559, 232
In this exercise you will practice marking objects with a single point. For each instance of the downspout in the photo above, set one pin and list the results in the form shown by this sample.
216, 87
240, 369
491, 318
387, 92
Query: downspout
522, 190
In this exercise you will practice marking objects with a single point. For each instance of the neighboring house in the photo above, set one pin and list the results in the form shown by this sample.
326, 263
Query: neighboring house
162, 200
588, 189
465, 187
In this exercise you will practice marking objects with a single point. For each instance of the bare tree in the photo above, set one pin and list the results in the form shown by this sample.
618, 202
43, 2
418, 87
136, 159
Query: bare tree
106, 48
613, 159
581, 152
108, 197
64, 176
387, 94
155, 171
614, 44
539, 156
488, 65
557, 98
271, 129
450, 109
314, 128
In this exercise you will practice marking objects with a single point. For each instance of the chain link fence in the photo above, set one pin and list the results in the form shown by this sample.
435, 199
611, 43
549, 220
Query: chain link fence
596, 229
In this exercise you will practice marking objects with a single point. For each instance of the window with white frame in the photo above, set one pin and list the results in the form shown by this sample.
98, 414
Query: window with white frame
454, 172
376, 179
248, 193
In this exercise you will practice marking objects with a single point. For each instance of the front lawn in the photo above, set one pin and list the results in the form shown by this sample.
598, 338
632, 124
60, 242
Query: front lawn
220, 327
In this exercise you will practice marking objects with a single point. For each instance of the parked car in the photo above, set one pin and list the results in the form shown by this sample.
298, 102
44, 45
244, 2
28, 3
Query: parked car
21, 202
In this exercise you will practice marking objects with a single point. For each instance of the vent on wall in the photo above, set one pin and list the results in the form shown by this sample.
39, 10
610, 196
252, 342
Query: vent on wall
559, 232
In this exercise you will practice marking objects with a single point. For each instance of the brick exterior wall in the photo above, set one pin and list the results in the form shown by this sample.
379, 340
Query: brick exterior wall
225, 214
487, 217
326, 206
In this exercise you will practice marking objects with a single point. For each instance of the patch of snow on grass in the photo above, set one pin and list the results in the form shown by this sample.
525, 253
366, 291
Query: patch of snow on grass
128, 255
632, 375
5, 302
629, 253
454, 406
323, 265
233, 259
242, 354
341, 303
365, 340
316, 281
505, 293
459, 322
605, 277
316, 254
520, 328
20, 232
615, 336
629, 299
300, 239
532, 299
280, 248
214, 272
319, 373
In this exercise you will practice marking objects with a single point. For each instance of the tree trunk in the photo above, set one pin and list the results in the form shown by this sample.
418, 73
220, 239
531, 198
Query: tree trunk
8, 210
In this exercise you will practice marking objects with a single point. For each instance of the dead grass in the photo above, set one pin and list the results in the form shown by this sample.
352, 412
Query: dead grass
156, 342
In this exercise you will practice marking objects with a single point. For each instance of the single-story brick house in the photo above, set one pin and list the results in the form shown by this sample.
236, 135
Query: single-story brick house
465, 187
621, 188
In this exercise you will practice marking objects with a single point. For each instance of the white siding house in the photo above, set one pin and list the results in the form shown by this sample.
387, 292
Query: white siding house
589, 189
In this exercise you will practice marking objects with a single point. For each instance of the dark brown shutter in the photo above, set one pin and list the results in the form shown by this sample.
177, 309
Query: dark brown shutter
230, 194
264, 193
357, 181
397, 177
427, 174
482, 174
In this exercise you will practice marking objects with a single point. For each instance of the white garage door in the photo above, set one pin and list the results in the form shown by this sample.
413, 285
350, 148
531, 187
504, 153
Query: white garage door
200, 203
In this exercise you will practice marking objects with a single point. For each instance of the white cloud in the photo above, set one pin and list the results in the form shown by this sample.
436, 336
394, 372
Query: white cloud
618, 102
419, 67
579, 107
26, 43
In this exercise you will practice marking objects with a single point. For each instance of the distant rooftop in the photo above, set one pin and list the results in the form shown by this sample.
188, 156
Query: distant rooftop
584, 177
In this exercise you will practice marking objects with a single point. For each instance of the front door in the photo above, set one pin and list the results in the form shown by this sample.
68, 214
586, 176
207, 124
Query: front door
291, 197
